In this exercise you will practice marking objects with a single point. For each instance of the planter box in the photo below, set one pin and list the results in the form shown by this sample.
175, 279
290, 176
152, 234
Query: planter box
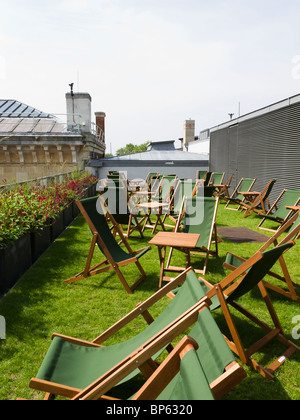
15, 259
68, 215
57, 227
92, 190
75, 209
40, 241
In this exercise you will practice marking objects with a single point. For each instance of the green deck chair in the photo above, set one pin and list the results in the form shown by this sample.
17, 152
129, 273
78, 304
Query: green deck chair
201, 367
206, 175
222, 190
279, 213
236, 199
164, 195
71, 365
260, 200
203, 223
291, 231
184, 188
217, 178
115, 256
179, 378
121, 207
226, 293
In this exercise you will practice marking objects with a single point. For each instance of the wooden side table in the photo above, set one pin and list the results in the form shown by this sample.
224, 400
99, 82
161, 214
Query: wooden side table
156, 208
182, 241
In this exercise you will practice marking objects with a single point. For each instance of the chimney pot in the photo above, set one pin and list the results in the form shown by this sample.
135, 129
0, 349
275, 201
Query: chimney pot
100, 123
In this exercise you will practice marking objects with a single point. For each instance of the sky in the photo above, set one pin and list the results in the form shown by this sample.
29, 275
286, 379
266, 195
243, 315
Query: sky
148, 64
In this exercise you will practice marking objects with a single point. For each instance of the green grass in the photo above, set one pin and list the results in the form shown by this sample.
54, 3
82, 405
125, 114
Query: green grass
41, 304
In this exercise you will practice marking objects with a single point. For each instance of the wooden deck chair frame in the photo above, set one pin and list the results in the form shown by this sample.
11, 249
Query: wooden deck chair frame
146, 185
161, 340
108, 263
170, 367
207, 252
130, 219
231, 199
275, 207
177, 200
154, 206
259, 200
152, 190
204, 175
222, 190
292, 234
223, 290
142, 357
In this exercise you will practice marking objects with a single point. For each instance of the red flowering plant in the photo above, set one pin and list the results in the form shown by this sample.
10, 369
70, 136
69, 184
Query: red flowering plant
26, 208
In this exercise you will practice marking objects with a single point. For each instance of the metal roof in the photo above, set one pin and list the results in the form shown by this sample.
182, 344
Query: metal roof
163, 155
163, 151
28, 126
262, 111
19, 119
9, 108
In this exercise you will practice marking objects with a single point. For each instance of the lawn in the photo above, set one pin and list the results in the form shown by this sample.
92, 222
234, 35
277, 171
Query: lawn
41, 304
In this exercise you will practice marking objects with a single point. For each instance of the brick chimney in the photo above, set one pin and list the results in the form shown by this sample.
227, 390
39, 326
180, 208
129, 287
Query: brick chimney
100, 123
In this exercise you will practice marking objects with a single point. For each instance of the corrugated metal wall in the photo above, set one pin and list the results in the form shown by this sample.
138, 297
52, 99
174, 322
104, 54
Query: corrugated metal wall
263, 147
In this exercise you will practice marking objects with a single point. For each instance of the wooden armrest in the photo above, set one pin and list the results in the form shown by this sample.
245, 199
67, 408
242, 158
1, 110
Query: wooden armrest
76, 340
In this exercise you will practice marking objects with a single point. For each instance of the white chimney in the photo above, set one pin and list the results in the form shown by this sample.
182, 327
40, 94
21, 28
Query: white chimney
79, 111
189, 133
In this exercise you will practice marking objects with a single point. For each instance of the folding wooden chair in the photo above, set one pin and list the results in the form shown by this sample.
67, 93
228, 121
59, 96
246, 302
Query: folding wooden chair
257, 201
198, 216
239, 282
208, 372
291, 228
201, 367
183, 188
84, 370
222, 190
160, 204
236, 198
71, 365
283, 207
205, 175
115, 256
216, 178
116, 202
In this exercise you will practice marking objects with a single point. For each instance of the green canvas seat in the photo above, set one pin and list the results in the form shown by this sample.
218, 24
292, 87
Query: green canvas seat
226, 294
190, 383
76, 369
217, 178
198, 216
242, 280
184, 188
205, 175
291, 231
236, 198
280, 211
71, 365
115, 255
116, 202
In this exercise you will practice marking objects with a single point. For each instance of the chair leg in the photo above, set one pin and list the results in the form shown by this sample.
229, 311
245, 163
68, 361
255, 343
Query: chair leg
122, 280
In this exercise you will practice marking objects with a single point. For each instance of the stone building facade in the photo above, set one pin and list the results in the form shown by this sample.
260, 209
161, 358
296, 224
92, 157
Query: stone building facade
34, 144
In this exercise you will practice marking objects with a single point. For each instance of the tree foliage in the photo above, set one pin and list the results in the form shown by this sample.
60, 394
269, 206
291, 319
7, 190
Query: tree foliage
132, 148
